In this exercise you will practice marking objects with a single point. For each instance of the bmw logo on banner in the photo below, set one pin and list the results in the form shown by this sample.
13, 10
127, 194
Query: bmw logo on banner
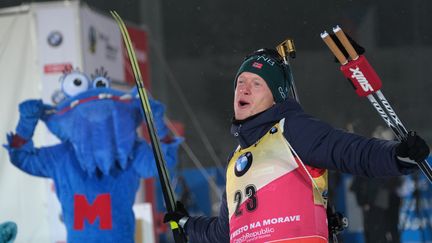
243, 164
55, 38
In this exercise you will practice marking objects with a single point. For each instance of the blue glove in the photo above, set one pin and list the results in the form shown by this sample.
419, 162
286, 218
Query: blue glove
30, 112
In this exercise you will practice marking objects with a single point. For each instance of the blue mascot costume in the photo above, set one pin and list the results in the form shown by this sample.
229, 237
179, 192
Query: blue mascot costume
98, 164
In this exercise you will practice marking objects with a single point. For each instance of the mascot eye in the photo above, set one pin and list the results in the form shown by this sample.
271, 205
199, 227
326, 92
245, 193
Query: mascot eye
101, 82
75, 83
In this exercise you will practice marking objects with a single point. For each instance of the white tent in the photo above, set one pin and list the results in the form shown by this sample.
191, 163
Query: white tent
23, 198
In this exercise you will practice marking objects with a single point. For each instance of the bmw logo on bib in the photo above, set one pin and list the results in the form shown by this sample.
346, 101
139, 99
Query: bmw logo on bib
243, 164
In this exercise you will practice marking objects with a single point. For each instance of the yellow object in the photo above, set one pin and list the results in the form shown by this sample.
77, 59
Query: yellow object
173, 225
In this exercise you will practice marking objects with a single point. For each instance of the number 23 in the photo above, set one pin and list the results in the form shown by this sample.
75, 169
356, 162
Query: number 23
251, 202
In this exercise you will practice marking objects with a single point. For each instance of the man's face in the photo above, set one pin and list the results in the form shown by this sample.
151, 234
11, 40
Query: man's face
251, 96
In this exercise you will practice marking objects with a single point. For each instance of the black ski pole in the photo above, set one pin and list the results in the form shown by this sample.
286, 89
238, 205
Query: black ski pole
336, 221
170, 202
285, 49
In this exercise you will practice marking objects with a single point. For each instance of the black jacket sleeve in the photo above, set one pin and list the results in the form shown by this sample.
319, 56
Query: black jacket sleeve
323, 146
203, 229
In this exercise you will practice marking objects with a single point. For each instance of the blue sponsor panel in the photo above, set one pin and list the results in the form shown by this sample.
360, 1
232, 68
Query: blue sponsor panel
192, 187
345, 203
415, 215
416, 212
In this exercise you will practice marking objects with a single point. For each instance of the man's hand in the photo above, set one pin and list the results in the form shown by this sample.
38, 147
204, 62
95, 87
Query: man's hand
180, 215
30, 112
413, 147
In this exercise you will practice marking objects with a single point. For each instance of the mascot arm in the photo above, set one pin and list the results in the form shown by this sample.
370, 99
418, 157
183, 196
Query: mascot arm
34, 161
158, 111
20, 145
30, 113
144, 161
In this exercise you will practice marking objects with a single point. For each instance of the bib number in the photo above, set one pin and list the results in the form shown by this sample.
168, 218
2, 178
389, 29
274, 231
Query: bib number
251, 201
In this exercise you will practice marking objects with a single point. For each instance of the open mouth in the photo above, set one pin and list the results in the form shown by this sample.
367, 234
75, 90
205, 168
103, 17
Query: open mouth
243, 104
123, 98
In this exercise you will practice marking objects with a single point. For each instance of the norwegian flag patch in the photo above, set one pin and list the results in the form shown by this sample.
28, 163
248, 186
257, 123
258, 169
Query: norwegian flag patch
257, 65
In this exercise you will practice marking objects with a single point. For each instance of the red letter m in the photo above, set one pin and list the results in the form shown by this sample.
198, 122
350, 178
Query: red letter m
101, 208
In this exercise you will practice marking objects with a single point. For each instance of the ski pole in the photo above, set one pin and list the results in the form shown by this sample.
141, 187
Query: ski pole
170, 202
285, 49
368, 84
395, 121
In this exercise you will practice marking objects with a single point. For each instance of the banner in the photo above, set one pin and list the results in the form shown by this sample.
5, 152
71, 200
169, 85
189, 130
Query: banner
57, 43
58, 46
140, 43
101, 44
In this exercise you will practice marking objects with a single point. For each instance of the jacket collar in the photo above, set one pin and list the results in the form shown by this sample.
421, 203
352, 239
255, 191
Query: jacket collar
248, 131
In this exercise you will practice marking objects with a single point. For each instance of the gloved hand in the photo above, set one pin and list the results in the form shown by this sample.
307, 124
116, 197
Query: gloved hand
30, 112
177, 215
413, 147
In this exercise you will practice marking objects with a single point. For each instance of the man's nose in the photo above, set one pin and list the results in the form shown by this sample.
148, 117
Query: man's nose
245, 89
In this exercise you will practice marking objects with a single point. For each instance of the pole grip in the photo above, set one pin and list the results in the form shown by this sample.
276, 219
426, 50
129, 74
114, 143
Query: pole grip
345, 42
361, 74
334, 48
